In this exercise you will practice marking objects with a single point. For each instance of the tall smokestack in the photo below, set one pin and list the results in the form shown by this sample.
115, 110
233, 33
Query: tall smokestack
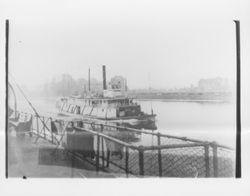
89, 80
104, 77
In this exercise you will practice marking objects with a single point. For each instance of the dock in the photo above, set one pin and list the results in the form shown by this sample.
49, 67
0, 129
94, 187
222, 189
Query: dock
28, 159
52, 147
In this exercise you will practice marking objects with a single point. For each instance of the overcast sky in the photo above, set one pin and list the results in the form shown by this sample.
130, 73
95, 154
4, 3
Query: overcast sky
174, 43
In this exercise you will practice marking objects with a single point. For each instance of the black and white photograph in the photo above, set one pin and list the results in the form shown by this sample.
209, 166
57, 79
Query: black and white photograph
125, 89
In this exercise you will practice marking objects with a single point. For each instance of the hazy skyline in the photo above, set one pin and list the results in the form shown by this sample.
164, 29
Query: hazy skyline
173, 43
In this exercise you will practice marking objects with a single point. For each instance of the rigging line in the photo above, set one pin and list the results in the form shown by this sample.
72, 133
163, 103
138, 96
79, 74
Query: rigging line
29, 102
19, 88
15, 101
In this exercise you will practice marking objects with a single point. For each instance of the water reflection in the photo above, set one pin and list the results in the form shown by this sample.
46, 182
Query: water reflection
127, 135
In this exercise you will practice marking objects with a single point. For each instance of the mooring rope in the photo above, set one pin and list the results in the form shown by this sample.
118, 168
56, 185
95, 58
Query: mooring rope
30, 104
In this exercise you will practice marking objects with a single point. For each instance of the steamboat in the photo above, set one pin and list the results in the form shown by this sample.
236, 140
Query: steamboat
111, 105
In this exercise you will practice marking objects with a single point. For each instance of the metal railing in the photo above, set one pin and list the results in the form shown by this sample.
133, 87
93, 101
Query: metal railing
172, 156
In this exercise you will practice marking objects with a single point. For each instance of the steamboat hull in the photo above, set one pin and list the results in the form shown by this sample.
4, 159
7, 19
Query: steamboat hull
146, 121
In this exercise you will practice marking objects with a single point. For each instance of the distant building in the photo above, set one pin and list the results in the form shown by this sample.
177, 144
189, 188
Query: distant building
214, 85
118, 82
117, 87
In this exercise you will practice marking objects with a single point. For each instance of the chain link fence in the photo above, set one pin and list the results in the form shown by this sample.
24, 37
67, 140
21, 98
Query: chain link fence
167, 156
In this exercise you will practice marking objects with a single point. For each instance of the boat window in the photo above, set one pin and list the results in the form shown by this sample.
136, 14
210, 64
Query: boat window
78, 109
68, 107
72, 108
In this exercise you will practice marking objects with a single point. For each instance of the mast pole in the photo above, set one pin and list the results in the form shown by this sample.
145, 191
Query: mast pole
238, 103
89, 80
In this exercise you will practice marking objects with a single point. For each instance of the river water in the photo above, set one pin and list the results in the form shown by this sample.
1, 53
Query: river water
208, 121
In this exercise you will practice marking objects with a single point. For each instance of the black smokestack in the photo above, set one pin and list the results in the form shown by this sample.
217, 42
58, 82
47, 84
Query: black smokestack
104, 77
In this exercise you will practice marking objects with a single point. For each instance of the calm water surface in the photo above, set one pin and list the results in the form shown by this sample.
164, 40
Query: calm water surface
207, 121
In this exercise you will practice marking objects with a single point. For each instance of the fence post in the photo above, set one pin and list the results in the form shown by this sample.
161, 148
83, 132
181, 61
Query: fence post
32, 123
108, 157
159, 154
126, 160
37, 125
215, 159
32, 126
97, 152
44, 135
102, 147
141, 160
206, 147
52, 135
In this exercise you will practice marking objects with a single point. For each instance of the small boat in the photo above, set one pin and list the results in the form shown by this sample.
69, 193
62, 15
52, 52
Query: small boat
112, 105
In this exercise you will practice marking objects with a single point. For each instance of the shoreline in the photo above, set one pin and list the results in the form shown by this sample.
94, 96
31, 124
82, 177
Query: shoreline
185, 100
191, 100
